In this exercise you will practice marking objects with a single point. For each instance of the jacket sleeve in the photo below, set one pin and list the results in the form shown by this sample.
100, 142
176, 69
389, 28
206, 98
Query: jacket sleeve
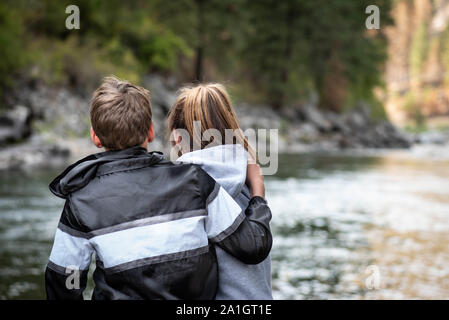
252, 240
245, 234
66, 272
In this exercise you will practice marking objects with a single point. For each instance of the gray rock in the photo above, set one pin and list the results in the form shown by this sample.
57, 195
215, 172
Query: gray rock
315, 117
162, 95
432, 137
257, 117
15, 125
305, 133
337, 122
356, 120
32, 155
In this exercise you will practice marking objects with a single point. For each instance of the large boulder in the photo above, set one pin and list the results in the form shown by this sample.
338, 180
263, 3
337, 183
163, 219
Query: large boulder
15, 125
315, 117
33, 154
163, 92
432, 137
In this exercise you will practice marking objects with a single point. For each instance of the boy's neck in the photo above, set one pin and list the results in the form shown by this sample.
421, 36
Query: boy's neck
143, 145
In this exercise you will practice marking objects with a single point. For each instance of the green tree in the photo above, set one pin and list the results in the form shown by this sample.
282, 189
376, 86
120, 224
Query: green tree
284, 51
298, 46
210, 28
12, 56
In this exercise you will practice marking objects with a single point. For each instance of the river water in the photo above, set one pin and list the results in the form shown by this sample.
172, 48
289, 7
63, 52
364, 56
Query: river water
346, 226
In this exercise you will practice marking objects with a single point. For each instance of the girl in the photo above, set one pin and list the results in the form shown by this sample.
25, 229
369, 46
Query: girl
203, 116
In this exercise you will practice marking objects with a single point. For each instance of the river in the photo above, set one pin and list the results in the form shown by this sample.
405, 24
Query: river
370, 225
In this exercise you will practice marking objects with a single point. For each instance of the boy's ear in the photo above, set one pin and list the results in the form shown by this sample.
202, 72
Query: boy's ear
95, 139
151, 133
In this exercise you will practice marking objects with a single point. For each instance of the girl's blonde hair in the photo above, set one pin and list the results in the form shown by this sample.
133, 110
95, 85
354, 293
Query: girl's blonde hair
210, 105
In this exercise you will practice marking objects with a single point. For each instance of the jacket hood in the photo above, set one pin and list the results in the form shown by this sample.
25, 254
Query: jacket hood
225, 163
78, 175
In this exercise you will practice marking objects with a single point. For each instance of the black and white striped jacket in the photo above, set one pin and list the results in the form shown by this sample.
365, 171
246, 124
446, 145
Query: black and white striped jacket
151, 225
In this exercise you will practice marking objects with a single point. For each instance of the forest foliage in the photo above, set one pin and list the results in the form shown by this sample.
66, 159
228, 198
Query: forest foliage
273, 52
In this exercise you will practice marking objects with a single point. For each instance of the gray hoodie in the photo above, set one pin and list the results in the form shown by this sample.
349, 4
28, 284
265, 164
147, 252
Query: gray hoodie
236, 280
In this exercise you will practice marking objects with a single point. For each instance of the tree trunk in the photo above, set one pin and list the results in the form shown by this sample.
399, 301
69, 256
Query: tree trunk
200, 46
199, 64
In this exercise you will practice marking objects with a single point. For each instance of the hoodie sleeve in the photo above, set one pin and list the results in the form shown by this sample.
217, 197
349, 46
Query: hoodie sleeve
244, 234
66, 272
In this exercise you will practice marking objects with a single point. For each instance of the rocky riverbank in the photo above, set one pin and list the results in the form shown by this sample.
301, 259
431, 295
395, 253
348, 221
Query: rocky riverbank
51, 125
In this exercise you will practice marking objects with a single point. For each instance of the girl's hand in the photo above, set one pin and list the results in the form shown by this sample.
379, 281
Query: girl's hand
254, 180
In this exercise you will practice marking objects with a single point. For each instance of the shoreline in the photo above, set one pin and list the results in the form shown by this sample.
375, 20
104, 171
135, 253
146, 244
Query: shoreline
35, 155
50, 125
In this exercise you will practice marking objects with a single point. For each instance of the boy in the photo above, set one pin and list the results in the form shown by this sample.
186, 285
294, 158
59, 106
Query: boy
151, 223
